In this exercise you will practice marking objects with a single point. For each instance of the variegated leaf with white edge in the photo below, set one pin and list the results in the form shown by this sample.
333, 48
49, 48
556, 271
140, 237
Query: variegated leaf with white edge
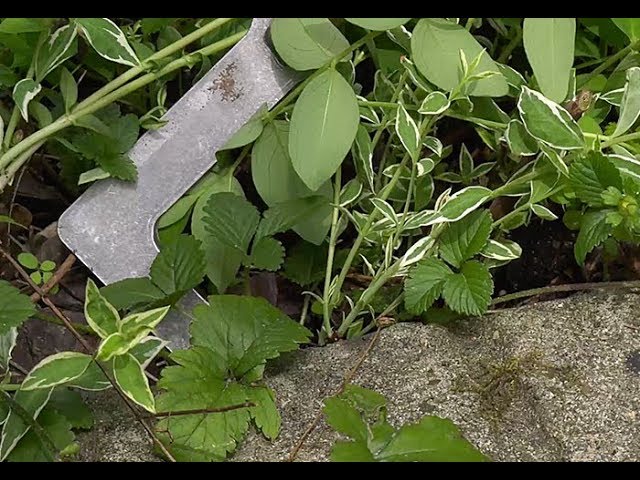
148, 320
630, 104
419, 219
613, 97
503, 250
58, 48
407, 131
129, 375
101, 316
417, 251
543, 212
434, 144
520, 142
7, 344
23, 92
434, 104
56, 369
108, 40
462, 203
112, 346
147, 349
627, 165
350, 192
548, 122
363, 155
555, 158
385, 209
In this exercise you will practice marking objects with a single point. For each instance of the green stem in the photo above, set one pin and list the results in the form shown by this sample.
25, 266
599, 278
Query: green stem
609, 62
11, 127
508, 50
148, 63
69, 119
298, 90
7, 175
9, 387
326, 296
621, 139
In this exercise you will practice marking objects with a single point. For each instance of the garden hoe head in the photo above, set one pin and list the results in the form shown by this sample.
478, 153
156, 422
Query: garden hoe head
111, 227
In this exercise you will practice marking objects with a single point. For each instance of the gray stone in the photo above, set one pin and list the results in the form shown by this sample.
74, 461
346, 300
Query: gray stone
557, 381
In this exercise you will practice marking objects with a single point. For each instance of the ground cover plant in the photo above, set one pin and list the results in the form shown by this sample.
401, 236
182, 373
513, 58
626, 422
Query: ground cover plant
393, 183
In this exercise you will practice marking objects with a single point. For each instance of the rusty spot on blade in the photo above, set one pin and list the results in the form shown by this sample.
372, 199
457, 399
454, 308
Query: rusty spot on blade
226, 84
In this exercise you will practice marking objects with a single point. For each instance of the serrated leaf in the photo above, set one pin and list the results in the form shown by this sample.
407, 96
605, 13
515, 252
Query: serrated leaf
119, 166
276, 181
469, 291
55, 370
127, 293
465, 238
129, 375
407, 132
305, 263
432, 439
108, 40
30, 447
378, 24
630, 103
549, 45
424, 284
23, 92
502, 250
520, 142
435, 45
14, 426
244, 331
265, 414
324, 123
307, 43
15, 307
548, 122
101, 316
58, 48
69, 403
179, 266
434, 104
230, 220
267, 254
591, 175
594, 229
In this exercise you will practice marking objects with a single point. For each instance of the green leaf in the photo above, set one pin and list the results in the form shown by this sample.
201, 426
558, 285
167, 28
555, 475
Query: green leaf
23, 25
248, 132
555, 158
56, 369
92, 175
196, 383
282, 216
519, 140
15, 307
179, 266
465, 238
244, 331
14, 426
307, 43
462, 203
436, 43
276, 181
265, 414
323, 126
594, 230
115, 344
267, 254
129, 375
351, 452
147, 349
59, 47
47, 266
30, 447
591, 175
363, 156
101, 316
378, 24
108, 40
23, 92
93, 379
305, 263
119, 166
543, 212
549, 45
138, 325
230, 220
630, 26
469, 292
128, 293
93, 123
177, 212
7, 344
432, 439
434, 104
28, 260
424, 284
408, 133
630, 104
548, 122
7, 77
69, 403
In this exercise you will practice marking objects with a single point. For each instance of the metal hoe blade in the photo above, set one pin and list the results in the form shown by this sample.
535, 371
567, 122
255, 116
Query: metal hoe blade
111, 227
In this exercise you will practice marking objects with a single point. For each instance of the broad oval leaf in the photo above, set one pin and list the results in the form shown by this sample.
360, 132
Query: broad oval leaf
23, 92
129, 375
323, 126
15, 307
108, 40
59, 47
630, 103
378, 24
56, 370
630, 26
307, 43
434, 104
248, 132
548, 122
276, 181
130, 292
436, 43
549, 45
